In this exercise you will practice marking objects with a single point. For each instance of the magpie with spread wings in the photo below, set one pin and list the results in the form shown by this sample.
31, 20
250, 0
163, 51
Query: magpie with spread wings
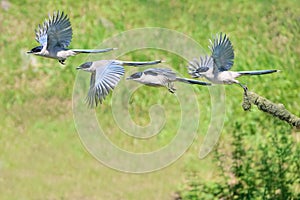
215, 68
54, 36
105, 75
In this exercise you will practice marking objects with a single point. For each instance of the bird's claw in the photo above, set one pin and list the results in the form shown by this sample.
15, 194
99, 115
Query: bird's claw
244, 87
245, 90
62, 62
171, 88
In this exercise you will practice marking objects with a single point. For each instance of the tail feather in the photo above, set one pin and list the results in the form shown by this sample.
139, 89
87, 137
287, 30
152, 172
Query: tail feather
92, 50
192, 81
258, 72
132, 63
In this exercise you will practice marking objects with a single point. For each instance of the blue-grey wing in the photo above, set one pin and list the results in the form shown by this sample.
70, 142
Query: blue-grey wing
56, 31
162, 75
91, 98
103, 81
160, 71
222, 52
196, 67
41, 35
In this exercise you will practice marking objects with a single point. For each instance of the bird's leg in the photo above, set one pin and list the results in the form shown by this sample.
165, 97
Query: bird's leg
171, 88
244, 87
62, 61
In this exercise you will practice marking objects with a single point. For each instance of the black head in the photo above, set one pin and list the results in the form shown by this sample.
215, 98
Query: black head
135, 75
85, 65
36, 49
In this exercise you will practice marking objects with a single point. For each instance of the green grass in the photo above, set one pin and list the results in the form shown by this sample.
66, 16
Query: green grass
41, 155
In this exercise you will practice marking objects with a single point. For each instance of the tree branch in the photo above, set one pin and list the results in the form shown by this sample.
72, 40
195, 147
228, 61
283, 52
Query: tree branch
277, 110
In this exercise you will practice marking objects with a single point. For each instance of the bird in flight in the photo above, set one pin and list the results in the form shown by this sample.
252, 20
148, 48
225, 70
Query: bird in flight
54, 36
105, 75
215, 67
161, 77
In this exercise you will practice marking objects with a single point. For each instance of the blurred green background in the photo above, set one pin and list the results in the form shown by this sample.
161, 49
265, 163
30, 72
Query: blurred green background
41, 155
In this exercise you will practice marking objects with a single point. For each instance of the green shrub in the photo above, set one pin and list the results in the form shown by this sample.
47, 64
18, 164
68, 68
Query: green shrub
268, 169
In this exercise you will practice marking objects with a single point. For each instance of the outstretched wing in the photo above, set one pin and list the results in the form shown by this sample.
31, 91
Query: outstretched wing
196, 67
55, 31
222, 52
103, 81
91, 98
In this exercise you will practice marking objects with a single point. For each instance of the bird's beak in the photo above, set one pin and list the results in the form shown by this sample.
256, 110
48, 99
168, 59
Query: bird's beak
129, 78
29, 52
78, 68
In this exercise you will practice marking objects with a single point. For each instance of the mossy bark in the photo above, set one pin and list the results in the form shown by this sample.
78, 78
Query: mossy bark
265, 105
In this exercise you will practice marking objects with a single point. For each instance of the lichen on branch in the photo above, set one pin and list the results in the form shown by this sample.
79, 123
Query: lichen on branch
265, 105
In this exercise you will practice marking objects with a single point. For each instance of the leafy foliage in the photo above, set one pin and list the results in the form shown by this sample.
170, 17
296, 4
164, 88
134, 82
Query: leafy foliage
268, 169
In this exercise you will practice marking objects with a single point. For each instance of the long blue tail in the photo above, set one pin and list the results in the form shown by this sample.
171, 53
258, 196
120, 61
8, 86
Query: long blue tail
258, 72
92, 50
142, 63
192, 81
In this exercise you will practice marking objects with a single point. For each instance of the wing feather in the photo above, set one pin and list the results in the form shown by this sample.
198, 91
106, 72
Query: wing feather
161, 76
222, 53
91, 97
196, 67
56, 31
105, 80
161, 71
